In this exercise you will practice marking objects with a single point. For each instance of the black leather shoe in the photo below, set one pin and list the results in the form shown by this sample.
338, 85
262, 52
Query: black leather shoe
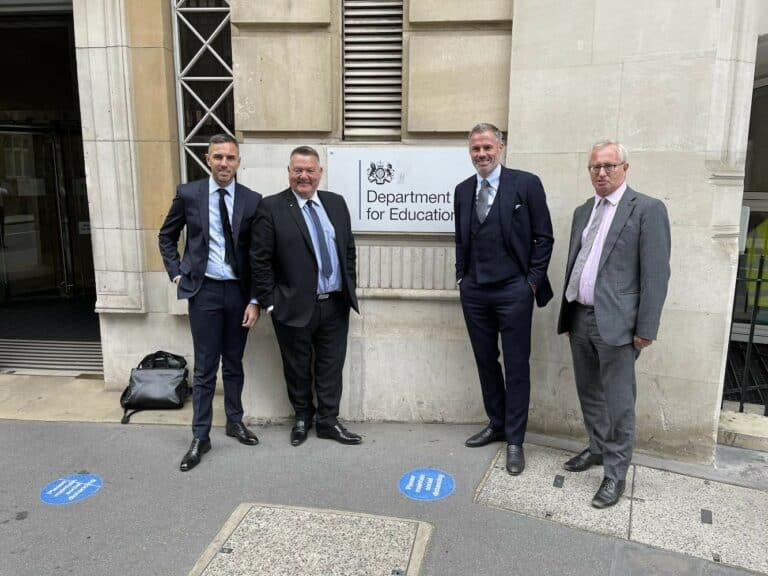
609, 493
583, 461
243, 435
485, 436
299, 432
515, 459
339, 433
194, 454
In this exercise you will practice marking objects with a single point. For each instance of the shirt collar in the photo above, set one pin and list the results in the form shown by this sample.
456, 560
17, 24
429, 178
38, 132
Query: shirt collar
493, 178
302, 201
614, 197
213, 186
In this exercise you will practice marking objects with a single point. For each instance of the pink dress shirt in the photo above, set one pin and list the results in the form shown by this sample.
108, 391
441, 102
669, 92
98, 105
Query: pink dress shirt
589, 274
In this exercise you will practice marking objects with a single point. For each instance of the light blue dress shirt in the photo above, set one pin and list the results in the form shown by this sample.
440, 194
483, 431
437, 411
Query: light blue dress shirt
324, 285
217, 268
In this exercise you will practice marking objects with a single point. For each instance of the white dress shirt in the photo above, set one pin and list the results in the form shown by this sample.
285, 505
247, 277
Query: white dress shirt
589, 273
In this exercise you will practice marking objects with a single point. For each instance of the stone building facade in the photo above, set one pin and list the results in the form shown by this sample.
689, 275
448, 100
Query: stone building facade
672, 80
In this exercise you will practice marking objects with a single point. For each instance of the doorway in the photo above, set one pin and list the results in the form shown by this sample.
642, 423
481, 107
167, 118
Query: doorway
746, 374
47, 281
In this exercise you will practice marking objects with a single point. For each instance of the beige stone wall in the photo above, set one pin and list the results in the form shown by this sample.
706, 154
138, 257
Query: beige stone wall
672, 82
150, 40
286, 67
287, 62
456, 70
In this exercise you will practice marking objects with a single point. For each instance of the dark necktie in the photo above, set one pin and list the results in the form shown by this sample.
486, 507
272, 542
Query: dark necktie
229, 244
572, 291
325, 256
483, 198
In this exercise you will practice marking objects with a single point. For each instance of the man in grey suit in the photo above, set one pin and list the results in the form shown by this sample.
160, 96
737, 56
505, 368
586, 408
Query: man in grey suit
615, 286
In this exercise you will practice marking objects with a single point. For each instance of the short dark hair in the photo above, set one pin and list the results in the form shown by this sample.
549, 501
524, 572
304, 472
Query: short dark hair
305, 151
223, 139
487, 127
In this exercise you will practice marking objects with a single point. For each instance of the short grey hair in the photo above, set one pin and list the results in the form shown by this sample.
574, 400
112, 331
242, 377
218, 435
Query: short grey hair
486, 127
623, 154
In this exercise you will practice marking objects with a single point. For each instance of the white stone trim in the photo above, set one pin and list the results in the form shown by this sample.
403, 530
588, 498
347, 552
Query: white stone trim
106, 106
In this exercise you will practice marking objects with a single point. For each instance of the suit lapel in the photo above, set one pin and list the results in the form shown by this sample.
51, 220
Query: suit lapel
298, 217
507, 198
238, 209
330, 210
203, 207
467, 198
623, 211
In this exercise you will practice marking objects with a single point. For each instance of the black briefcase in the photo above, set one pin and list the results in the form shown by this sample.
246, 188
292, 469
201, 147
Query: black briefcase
158, 382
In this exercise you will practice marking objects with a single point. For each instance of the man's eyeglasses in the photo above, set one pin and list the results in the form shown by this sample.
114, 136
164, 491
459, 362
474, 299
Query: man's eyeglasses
609, 168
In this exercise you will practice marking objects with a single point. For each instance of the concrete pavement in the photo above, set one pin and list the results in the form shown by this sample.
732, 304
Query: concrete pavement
149, 518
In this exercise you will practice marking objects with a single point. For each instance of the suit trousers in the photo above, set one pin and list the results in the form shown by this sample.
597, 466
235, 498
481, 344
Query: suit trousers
216, 316
504, 309
316, 353
605, 382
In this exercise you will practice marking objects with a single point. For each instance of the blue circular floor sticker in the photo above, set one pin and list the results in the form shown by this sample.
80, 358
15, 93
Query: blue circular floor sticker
69, 489
426, 484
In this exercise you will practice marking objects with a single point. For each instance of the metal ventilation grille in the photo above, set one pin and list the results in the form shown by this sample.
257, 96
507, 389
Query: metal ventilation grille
373, 69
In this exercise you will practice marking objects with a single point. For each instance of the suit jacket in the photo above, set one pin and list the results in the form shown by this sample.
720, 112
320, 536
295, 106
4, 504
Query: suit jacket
190, 209
525, 222
633, 272
283, 258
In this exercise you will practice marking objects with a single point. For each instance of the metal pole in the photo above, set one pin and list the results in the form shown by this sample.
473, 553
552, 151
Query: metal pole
753, 321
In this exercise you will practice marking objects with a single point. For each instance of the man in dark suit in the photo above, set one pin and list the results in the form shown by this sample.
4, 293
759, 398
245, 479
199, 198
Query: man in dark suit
615, 286
503, 246
214, 275
304, 274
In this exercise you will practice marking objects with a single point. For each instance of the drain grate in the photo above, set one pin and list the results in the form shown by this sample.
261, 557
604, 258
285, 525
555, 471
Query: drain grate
20, 355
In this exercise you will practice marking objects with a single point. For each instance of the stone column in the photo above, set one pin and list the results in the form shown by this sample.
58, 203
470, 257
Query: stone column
127, 102
672, 81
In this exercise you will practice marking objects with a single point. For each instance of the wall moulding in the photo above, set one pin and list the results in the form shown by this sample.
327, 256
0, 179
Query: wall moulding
110, 149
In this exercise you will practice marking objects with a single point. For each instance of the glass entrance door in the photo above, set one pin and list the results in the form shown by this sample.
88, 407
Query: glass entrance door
35, 260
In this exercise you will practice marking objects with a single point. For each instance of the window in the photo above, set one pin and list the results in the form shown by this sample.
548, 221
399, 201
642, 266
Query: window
203, 56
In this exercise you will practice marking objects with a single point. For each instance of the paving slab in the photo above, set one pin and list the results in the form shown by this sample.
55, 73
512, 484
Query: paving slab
712, 520
634, 559
547, 491
294, 541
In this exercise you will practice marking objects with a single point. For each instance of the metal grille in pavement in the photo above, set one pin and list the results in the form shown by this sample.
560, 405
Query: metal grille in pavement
50, 355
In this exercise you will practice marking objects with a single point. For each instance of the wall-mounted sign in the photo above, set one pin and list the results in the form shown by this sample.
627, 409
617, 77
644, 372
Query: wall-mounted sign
399, 188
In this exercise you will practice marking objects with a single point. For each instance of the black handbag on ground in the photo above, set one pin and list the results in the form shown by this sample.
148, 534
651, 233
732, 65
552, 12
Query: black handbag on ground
158, 382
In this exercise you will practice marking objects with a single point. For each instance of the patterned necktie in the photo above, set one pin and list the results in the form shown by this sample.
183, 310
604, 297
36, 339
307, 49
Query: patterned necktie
572, 292
325, 256
229, 244
483, 197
